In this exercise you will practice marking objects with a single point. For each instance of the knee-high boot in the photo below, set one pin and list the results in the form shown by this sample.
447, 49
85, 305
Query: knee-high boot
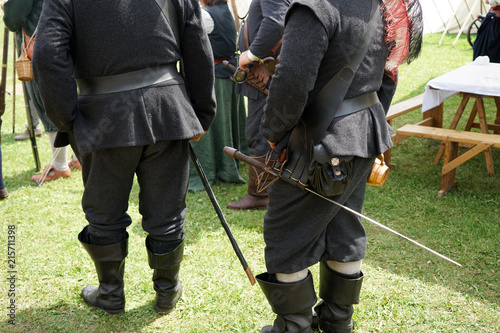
109, 263
292, 302
338, 294
166, 281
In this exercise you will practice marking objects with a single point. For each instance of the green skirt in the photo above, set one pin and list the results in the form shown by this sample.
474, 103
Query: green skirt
227, 129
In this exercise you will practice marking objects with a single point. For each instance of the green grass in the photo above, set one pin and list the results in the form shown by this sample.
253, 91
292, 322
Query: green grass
406, 288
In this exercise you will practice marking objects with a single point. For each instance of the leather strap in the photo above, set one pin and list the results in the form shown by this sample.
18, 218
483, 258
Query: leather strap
127, 81
219, 60
356, 104
326, 103
167, 8
271, 53
245, 34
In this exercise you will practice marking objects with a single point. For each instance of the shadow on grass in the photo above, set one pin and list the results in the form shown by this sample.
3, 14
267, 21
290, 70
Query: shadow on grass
62, 317
462, 225
201, 217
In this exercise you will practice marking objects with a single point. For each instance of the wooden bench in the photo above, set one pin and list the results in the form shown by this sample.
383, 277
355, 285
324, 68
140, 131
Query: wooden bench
397, 110
478, 142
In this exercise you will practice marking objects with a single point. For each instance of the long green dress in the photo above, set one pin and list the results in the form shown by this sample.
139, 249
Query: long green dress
227, 129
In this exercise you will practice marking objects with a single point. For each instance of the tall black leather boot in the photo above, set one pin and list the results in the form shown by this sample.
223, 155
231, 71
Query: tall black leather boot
109, 263
166, 277
292, 302
338, 294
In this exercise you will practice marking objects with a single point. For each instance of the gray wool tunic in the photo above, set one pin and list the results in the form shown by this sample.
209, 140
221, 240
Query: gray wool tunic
317, 45
301, 229
71, 45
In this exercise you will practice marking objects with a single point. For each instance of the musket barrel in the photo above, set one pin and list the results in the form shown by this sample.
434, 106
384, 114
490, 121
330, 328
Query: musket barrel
3, 84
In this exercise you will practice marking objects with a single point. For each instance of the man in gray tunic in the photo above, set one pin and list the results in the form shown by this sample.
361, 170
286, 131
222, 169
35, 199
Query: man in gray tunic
301, 229
259, 38
133, 114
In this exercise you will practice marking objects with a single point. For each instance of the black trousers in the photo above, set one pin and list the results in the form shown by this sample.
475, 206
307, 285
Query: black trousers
301, 229
162, 171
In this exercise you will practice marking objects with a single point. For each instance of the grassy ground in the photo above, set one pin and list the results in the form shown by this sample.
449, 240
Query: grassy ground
406, 288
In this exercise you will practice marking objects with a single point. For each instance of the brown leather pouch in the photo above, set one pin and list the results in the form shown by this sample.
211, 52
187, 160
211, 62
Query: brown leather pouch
29, 42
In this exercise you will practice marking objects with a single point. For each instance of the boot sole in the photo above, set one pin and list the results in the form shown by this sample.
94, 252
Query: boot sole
163, 311
108, 311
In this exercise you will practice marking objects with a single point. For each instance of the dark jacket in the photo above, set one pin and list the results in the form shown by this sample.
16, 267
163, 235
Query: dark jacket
22, 13
85, 39
487, 42
317, 43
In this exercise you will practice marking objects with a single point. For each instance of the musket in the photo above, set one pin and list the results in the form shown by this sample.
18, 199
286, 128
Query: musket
14, 86
3, 84
234, 153
222, 219
31, 129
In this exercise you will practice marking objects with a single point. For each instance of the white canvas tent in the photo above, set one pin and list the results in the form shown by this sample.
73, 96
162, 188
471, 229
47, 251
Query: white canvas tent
452, 16
448, 16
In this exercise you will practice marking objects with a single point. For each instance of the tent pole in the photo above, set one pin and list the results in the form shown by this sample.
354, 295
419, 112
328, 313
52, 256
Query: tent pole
448, 25
235, 14
437, 10
466, 23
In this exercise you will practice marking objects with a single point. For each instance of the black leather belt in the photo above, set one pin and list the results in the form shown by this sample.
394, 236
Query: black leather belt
356, 104
127, 81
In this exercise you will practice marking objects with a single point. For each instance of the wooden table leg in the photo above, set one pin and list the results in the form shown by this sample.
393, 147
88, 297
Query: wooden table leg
484, 129
448, 179
497, 119
453, 125
387, 154
472, 116
433, 117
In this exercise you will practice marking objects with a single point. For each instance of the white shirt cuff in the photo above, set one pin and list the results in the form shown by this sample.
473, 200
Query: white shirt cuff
252, 57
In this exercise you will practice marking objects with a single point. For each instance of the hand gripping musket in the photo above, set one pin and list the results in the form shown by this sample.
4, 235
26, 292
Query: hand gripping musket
234, 153
222, 219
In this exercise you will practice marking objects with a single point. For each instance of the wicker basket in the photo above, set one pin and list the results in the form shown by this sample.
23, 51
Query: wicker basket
23, 66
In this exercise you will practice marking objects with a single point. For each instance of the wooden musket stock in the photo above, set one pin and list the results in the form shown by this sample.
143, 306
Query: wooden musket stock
31, 129
3, 85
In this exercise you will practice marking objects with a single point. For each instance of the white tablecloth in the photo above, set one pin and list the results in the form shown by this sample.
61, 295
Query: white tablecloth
478, 77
